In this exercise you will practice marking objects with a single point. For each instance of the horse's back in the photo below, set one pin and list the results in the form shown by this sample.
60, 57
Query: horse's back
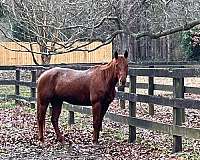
59, 74
69, 85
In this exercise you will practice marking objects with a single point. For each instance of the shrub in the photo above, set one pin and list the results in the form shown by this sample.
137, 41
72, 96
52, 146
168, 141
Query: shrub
190, 44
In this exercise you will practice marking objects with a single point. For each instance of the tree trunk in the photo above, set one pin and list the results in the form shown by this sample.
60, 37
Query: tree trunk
123, 43
132, 49
46, 58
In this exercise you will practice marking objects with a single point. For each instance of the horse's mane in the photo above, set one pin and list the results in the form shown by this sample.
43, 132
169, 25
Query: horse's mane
106, 66
108, 71
101, 66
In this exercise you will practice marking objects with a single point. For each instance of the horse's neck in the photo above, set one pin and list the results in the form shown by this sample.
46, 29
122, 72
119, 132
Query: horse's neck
109, 74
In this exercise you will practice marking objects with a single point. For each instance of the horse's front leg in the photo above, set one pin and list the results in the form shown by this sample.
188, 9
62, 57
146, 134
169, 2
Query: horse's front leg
103, 112
96, 111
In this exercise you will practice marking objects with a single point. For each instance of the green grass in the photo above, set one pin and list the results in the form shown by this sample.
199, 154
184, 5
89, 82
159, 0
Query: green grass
7, 89
25, 91
10, 90
5, 104
120, 135
189, 155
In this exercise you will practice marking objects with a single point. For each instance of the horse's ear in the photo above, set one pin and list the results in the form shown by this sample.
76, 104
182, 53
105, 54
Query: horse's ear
116, 55
126, 54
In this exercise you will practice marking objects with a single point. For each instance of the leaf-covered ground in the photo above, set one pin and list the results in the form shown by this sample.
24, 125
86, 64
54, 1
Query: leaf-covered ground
18, 137
18, 132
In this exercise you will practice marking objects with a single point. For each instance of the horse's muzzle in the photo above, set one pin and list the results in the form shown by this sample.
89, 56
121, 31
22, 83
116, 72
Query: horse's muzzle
122, 82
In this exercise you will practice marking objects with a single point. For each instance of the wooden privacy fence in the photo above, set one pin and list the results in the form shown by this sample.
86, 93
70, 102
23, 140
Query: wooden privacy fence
177, 101
8, 57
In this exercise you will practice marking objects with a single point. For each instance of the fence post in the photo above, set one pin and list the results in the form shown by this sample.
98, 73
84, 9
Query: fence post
151, 92
178, 85
33, 88
121, 102
182, 96
17, 78
132, 110
71, 117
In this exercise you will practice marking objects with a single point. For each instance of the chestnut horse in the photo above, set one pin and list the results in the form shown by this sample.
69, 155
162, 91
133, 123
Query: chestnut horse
93, 87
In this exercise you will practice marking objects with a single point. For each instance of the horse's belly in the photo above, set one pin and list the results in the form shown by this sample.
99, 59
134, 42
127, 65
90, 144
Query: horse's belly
76, 97
77, 100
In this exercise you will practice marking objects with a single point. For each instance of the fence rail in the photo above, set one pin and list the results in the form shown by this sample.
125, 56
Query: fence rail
177, 101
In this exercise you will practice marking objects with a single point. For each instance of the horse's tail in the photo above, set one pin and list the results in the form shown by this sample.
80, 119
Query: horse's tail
41, 113
42, 104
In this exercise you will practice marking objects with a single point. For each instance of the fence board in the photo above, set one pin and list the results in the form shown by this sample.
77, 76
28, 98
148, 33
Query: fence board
193, 90
27, 99
169, 88
25, 83
146, 124
6, 97
159, 100
7, 82
165, 72
8, 57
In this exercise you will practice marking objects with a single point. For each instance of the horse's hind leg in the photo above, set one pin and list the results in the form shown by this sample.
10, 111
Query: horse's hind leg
41, 112
96, 111
56, 110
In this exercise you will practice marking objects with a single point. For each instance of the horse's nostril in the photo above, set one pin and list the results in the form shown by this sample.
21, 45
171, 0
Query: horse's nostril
122, 82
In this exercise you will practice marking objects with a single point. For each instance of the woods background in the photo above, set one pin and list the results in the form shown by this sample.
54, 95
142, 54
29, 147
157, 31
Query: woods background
149, 30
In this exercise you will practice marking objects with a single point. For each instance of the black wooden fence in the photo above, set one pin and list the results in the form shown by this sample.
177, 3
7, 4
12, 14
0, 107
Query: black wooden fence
177, 101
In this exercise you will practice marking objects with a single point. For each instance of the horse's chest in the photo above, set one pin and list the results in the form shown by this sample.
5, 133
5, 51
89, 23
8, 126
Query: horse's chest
109, 96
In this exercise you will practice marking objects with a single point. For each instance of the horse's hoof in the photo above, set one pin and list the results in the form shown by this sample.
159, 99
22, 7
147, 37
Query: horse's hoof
95, 142
41, 139
61, 140
70, 143
41, 144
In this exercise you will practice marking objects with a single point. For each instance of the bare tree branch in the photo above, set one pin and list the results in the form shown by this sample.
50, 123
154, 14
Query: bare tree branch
185, 27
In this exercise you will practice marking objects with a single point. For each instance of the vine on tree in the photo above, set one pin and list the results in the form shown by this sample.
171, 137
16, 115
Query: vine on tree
190, 43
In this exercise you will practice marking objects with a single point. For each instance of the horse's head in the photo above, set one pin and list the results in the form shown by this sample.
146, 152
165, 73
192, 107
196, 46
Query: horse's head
121, 64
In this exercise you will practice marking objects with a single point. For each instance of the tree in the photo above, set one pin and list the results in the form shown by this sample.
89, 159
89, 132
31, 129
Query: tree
58, 25
55, 25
